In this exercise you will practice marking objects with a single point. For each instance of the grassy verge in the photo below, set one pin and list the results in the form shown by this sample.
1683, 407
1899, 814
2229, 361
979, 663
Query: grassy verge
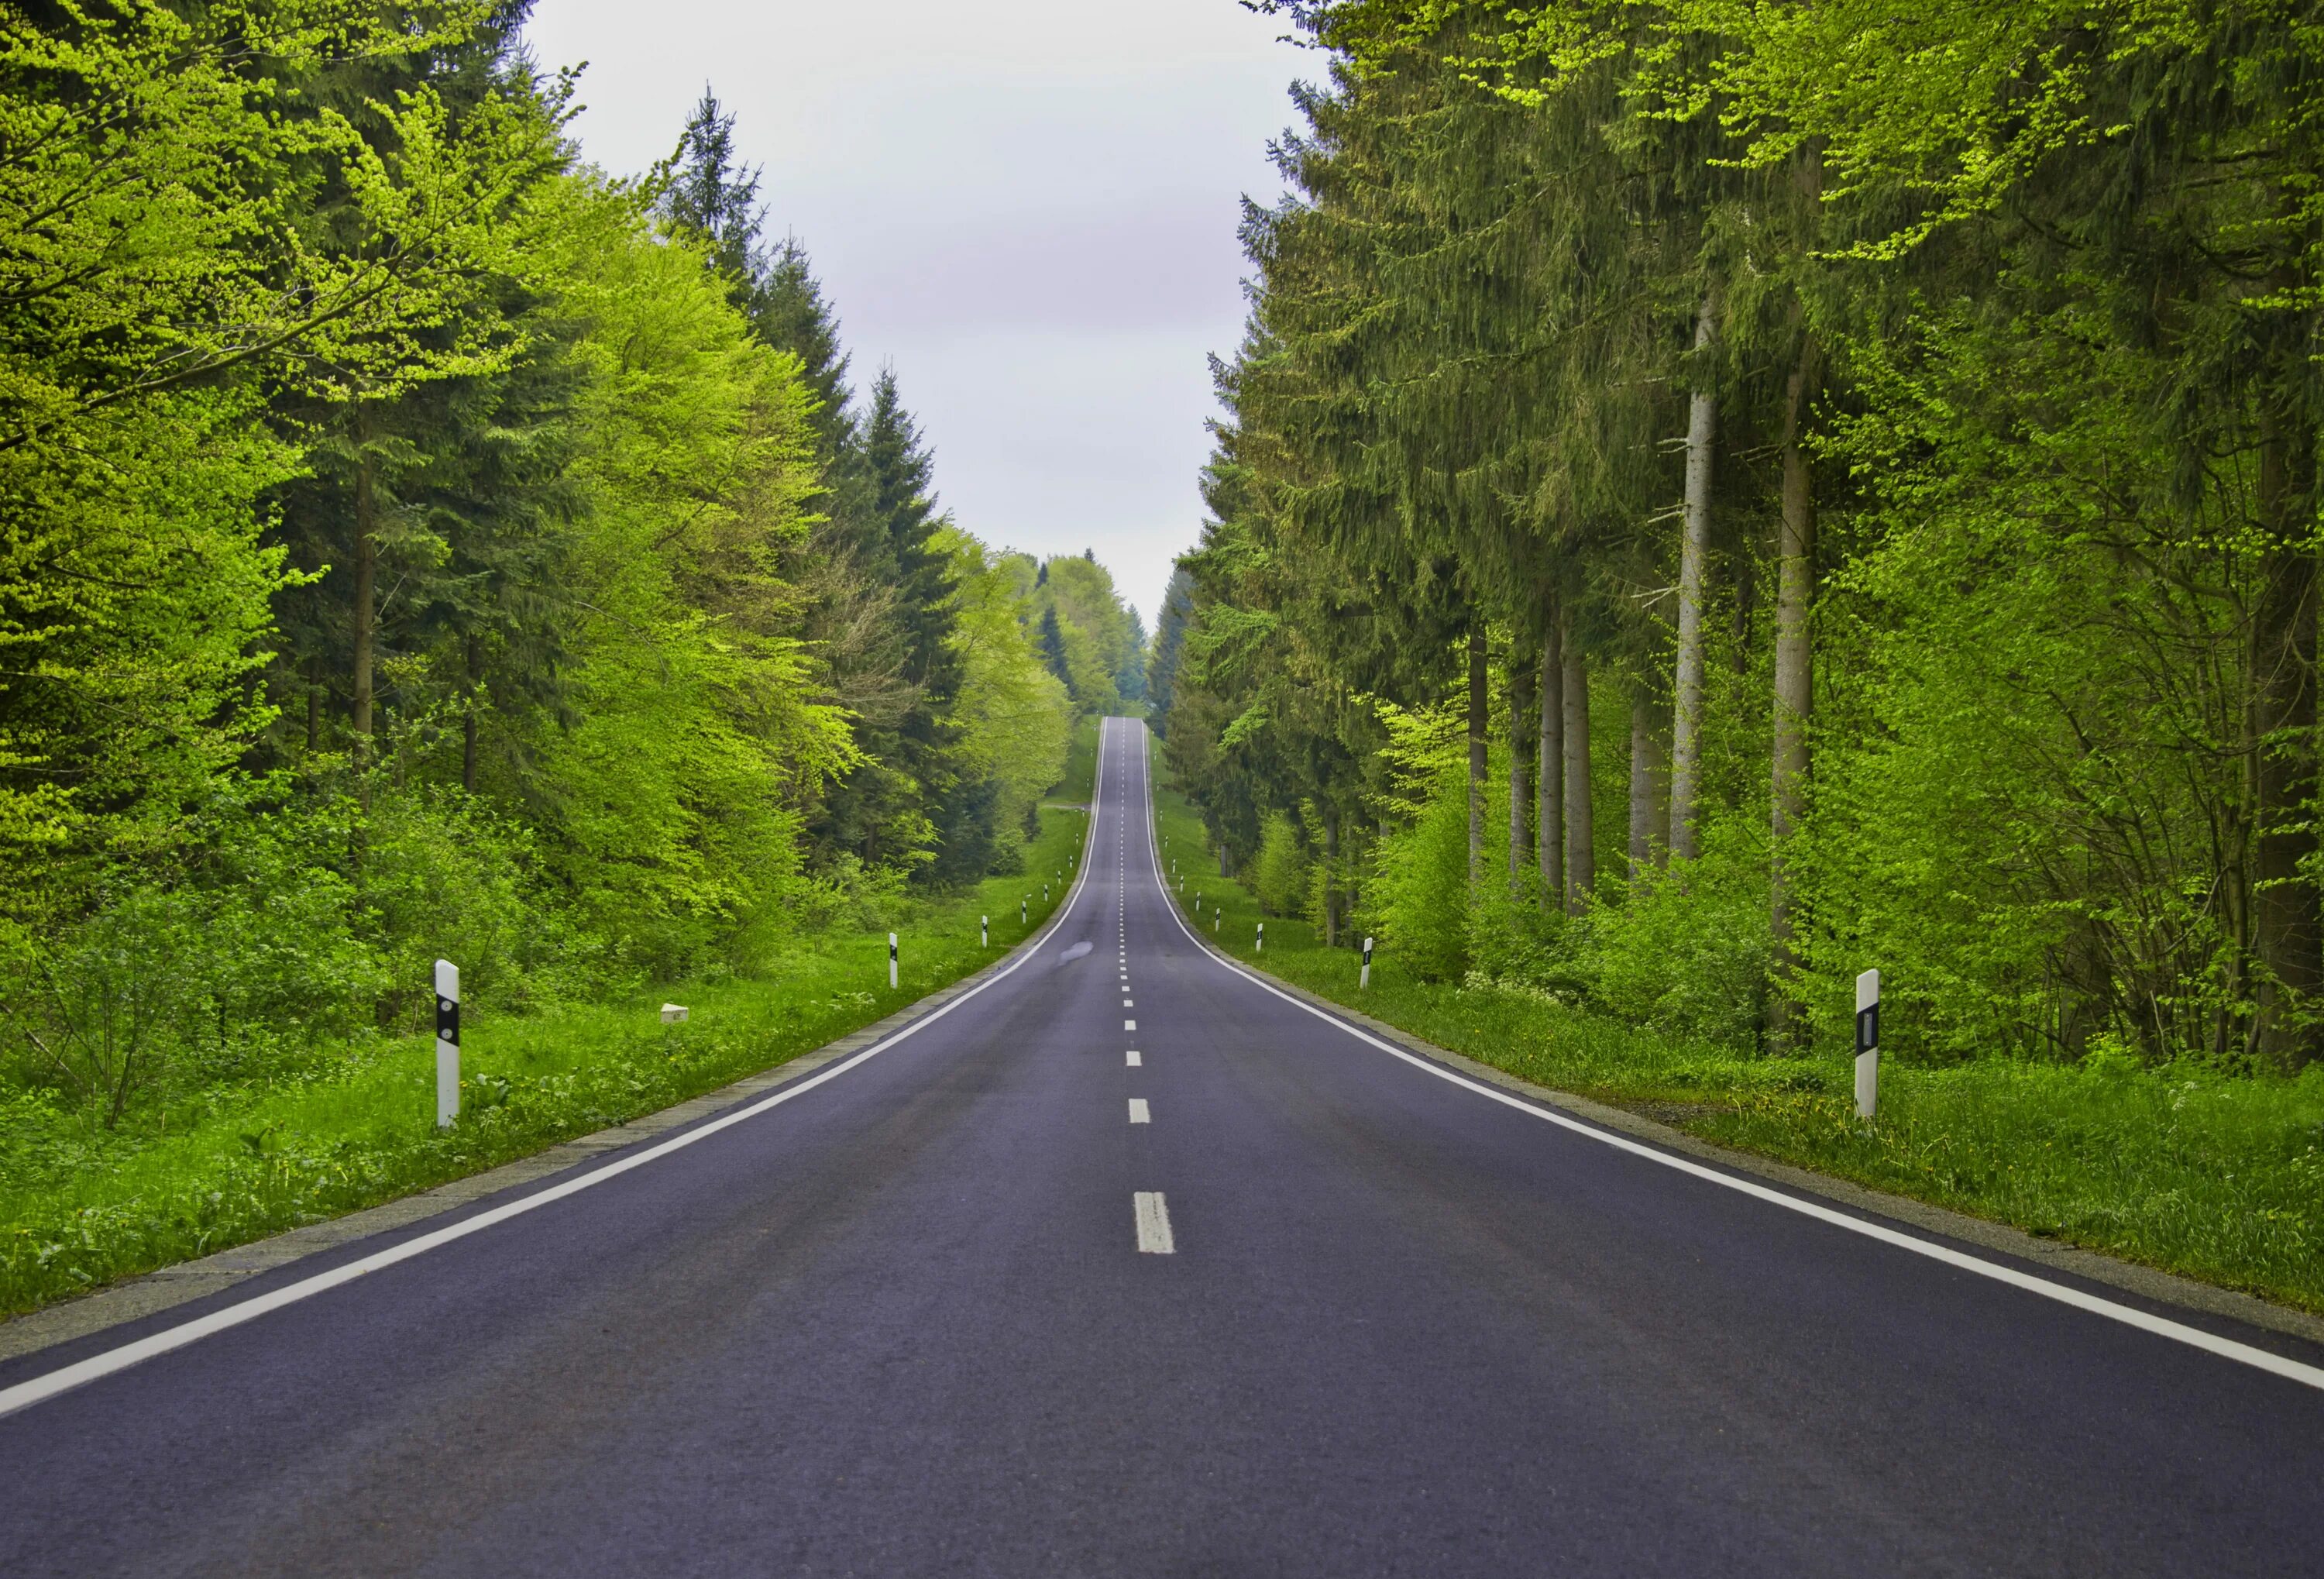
80, 1207
2213, 1176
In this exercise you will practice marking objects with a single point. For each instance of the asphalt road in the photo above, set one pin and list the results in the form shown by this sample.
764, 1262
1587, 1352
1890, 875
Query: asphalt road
931, 1316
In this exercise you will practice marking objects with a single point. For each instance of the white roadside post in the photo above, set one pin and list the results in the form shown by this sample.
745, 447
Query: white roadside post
447, 1043
1867, 1044
984, 931
1366, 980
892, 962
1020, 909
1260, 947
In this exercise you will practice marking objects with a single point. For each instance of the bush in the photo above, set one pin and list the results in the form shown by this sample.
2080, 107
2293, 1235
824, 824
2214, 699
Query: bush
1279, 874
1421, 894
1686, 952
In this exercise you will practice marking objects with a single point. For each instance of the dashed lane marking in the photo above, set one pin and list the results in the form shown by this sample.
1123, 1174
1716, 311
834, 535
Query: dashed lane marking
1137, 1111
1152, 1224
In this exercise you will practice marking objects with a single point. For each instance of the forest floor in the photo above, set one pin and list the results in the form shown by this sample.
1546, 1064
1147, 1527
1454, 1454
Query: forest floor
2208, 1175
81, 1207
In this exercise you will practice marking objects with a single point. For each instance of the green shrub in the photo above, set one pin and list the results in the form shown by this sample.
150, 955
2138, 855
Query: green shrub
1420, 897
1279, 874
1686, 951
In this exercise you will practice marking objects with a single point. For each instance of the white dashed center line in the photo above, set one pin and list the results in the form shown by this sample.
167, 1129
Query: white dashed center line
1152, 1224
1130, 1025
1137, 1112
1132, 1057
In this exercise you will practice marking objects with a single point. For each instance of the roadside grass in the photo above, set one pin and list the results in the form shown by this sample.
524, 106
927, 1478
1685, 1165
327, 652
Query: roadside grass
2214, 1177
80, 1208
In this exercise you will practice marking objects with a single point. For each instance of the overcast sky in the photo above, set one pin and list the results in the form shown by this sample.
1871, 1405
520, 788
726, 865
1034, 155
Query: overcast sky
1028, 207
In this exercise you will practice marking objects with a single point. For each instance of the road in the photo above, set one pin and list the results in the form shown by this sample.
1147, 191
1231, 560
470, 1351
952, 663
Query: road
1126, 1264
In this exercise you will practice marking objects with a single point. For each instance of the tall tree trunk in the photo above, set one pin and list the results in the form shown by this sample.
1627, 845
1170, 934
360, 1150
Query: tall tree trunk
1331, 876
475, 656
1795, 673
1549, 834
314, 704
1694, 562
2285, 929
1521, 726
1479, 722
366, 576
1581, 851
1645, 782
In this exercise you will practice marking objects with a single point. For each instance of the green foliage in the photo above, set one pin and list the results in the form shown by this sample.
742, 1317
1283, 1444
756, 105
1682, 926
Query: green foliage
1280, 875
1914, 465
1684, 951
418, 547
1420, 894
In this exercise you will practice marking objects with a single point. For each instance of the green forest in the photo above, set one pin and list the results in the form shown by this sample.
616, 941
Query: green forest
1716, 498
418, 542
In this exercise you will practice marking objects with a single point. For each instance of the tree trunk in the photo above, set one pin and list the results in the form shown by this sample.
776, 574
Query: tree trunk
1549, 837
1521, 725
366, 574
1694, 553
314, 705
1581, 851
2285, 930
1795, 673
476, 655
1645, 782
1479, 722
1331, 876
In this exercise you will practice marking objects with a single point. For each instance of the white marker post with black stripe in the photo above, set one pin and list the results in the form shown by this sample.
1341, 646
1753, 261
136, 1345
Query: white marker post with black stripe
1867, 1043
1260, 947
984, 931
892, 962
447, 1043
1366, 979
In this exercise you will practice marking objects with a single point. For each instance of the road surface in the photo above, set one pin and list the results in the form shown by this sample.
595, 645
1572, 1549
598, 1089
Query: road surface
1126, 1264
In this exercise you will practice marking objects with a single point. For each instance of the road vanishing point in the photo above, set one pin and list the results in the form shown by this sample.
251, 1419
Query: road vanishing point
1123, 1262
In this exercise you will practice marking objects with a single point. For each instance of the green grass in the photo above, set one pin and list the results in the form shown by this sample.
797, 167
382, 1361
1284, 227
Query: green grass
2214, 1176
79, 1208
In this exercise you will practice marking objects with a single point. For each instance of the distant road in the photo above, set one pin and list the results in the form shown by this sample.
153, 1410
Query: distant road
1128, 1264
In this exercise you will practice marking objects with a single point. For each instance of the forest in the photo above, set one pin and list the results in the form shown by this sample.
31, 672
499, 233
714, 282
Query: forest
1716, 498
418, 542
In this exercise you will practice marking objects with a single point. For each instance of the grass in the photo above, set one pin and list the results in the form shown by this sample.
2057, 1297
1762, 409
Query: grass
2214, 1177
80, 1208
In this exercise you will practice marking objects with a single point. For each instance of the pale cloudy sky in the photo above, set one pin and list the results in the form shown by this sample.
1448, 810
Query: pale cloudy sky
1027, 206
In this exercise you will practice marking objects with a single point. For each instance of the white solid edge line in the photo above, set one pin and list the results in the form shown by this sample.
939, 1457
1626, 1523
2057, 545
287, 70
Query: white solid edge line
2129, 1316
38, 1388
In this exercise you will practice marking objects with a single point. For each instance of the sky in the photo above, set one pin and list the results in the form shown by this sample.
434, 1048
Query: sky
1027, 206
